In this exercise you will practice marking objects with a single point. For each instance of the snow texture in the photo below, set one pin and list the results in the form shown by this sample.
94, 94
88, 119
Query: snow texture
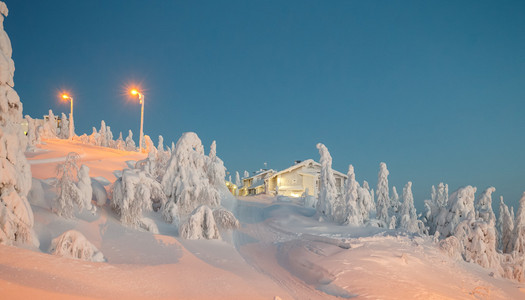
72, 244
16, 216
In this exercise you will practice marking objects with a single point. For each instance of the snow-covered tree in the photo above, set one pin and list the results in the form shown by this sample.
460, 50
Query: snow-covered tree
16, 216
506, 227
246, 174
120, 144
73, 244
237, 179
71, 193
187, 181
383, 198
103, 138
50, 126
94, 138
483, 206
160, 146
64, 127
518, 242
478, 240
130, 144
460, 207
134, 193
408, 216
354, 210
394, 203
436, 206
329, 203
71, 126
32, 140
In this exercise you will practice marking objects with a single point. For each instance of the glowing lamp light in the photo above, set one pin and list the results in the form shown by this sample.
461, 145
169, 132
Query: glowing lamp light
65, 97
134, 92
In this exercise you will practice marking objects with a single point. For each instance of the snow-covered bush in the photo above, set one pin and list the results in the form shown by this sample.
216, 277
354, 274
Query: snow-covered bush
73, 244
16, 216
460, 207
134, 193
188, 181
200, 225
73, 187
478, 240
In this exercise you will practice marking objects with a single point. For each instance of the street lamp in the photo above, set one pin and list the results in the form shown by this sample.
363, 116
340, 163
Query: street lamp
141, 101
68, 97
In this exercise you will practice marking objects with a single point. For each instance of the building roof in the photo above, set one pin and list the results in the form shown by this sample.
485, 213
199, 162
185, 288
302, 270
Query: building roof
304, 163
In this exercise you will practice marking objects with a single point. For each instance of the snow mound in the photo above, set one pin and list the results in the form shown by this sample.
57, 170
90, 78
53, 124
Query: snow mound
73, 244
200, 225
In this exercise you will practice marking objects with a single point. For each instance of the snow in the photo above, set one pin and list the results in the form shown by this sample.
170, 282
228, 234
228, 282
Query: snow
73, 244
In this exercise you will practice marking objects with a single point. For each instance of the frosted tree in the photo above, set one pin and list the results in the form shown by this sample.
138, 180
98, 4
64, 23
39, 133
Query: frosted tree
16, 216
134, 193
94, 138
354, 209
85, 189
102, 138
246, 174
435, 206
31, 133
68, 192
460, 207
71, 126
237, 179
109, 137
160, 146
200, 225
408, 216
130, 144
519, 229
120, 144
483, 206
50, 126
330, 203
186, 182
64, 127
394, 202
506, 227
478, 240
383, 199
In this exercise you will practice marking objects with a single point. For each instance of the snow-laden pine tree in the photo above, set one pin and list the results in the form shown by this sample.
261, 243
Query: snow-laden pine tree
394, 203
354, 214
329, 203
69, 188
71, 126
50, 126
478, 240
246, 174
109, 136
483, 206
94, 138
134, 193
435, 206
460, 207
200, 225
64, 127
407, 212
187, 181
31, 134
85, 188
73, 244
102, 138
160, 146
130, 144
518, 242
506, 227
120, 144
16, 216
383, 198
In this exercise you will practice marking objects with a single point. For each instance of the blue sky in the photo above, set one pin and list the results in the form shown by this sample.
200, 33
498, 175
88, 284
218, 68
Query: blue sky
436, 89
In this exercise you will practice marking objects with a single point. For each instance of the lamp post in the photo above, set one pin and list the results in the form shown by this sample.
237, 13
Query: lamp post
68, 97
141, 101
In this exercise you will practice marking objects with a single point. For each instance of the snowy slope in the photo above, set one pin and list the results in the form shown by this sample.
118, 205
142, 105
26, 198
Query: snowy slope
280, 250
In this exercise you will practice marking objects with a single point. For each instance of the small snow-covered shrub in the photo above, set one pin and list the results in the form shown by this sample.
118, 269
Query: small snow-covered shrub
73, 244
133, 193
200, 225
71, 192
225, 219
452, 247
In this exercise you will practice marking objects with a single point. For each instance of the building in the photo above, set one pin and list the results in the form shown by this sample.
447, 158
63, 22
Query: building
303, 177
255, 184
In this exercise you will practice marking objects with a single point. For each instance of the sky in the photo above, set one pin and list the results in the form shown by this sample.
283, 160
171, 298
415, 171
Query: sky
436, 89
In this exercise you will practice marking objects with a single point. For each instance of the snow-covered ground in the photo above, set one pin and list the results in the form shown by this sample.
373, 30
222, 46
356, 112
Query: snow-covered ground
280, 250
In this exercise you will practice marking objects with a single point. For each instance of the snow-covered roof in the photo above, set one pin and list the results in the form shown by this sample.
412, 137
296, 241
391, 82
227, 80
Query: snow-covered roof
305, 163
260, 174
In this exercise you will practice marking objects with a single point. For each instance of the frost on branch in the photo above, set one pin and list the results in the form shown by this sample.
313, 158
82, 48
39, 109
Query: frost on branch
73, 244
200, 225
16, 216
134, 193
